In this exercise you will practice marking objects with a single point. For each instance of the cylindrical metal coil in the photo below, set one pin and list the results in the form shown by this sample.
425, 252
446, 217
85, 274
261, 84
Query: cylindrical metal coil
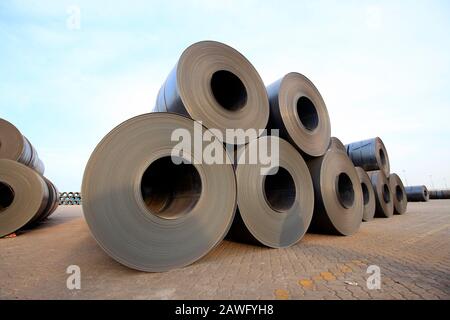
383, 194
298, 110
417, 193
23, 196
399, 194
276, 209
338, 205
53, 202
175, 214
217, 85
367, 193
439, 194
370, 155
14, 146
336, 144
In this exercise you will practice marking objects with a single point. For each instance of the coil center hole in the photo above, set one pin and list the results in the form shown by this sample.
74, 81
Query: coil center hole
279, 190
170, 191
345, 191
366, 195
382, 157
228, 90
307, 113
399, 193
386, 194
6, 196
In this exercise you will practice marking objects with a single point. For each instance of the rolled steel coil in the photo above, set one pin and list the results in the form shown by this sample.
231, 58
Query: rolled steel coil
383, 194
417, 193
370, 155
14, 146
439, 194
399, 194
367, 193
298, 110
175, 214
338, 205
24, 196
217, 85
276, 209
53, 201
336, 144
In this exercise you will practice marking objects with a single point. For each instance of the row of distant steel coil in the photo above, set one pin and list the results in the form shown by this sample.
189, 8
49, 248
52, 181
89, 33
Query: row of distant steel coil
70, 198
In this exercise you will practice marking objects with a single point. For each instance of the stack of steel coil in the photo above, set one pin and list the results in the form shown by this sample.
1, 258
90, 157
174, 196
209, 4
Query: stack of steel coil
26, 196
371, 156
154, 205
70, 198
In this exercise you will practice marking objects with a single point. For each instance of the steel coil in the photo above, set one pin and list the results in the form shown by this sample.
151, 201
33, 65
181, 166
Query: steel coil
417, 193
338, 205
336, 144
399, 194
217, 85
370, 155
148, 213
383, 194
14, 146
53, 201
298, 110
274, 210
439, 194
23, 196
367, 193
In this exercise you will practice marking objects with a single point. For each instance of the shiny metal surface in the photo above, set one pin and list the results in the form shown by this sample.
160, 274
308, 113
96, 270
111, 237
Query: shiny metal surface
370, 155
24, 196
298, 110
383, 194
368, 193
398, 193
417, 193
14, 146
148, 213
338, 205
273, 210
217, 85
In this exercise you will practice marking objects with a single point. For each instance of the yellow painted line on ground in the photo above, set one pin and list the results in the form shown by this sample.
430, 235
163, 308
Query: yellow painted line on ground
281, 294
306, 283
328, 276
345, 269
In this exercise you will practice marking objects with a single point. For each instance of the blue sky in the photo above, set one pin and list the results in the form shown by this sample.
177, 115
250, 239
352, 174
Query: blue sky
383, 68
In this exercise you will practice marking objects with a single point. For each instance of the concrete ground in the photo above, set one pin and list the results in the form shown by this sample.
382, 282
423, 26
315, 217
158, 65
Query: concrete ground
412, 252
